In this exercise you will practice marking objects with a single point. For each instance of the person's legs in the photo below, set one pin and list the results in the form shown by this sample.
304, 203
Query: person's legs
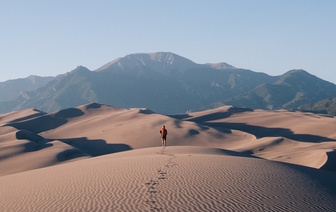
164, 141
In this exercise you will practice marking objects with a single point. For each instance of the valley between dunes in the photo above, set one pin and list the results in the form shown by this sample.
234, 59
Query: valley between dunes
101, 158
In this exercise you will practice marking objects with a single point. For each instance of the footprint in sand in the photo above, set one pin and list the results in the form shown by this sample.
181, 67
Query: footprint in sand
162, 174
153, 184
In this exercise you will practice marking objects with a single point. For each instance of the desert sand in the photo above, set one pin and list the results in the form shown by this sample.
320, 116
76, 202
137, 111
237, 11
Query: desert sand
102, 158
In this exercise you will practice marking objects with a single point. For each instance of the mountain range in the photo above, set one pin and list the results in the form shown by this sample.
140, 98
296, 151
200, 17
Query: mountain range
170, 84
10, 89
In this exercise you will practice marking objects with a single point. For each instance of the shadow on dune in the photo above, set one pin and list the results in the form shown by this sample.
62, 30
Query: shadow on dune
27, 135
36, 142
42, 123
193, 132
70, 154
257, 131
330, 165
146, 111
83, 146
39, 124
29, 117
211, 117
69, 113
239, 109
93, 106
219, 115
237, 154
180, 116
322, 178
28, 147
32, 147
177, 123
261, 132
95, 147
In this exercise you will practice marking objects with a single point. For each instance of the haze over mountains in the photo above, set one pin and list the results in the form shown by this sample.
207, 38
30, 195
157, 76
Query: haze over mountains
170, 84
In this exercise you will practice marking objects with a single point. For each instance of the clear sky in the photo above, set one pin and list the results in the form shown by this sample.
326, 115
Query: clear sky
48, 38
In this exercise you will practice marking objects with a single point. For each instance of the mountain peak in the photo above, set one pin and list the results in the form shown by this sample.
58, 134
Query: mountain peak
295, 76
220, 66
81, 68
169, 58
158, 61
297, 71
158, 57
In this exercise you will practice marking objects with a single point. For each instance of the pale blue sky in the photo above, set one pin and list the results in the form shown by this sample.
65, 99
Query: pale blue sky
53, 37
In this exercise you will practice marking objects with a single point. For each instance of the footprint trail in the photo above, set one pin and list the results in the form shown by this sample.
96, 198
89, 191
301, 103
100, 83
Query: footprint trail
153, 185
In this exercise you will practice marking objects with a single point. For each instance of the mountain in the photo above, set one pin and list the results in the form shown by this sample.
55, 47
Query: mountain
170, 84
165, 63
164, 82
64, 91
10, 89
290, 91
325, 106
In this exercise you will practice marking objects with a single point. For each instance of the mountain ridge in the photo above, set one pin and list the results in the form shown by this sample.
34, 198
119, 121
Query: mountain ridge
11, 88
293, 89
171, 84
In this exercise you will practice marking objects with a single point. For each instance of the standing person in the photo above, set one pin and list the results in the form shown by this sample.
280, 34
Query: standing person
163, 133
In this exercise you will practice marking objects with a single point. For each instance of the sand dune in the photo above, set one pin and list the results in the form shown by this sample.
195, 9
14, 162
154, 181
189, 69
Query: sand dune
292, 137
299, 138
171, 179
101, 158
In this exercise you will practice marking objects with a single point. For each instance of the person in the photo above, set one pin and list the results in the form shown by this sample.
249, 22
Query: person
163, 133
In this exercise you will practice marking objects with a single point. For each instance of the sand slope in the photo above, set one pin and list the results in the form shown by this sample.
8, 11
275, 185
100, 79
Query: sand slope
170, 179
23, 150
